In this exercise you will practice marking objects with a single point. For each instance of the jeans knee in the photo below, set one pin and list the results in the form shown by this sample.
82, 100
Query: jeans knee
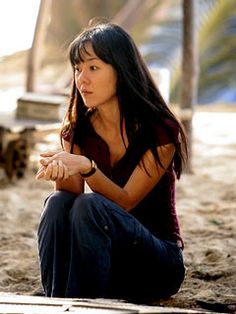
86, 206
57, 204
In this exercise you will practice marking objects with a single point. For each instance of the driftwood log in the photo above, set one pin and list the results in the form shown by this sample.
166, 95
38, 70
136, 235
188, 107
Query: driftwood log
17, 138
28, 304
36, 114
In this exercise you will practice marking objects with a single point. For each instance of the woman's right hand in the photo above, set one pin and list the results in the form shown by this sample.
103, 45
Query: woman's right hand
62, 165
55, 170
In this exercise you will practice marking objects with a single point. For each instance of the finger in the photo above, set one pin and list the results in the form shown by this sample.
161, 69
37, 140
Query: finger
48, 172
47, 160
54, 170
40, 173
44, 162
40, 176
41, 168
60, 173
66, 172
48, 154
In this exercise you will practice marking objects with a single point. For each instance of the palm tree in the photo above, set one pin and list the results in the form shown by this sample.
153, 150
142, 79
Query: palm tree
217, 54
158, 33
217, 47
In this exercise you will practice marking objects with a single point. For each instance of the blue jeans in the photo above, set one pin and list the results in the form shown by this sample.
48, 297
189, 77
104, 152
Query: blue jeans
90, 247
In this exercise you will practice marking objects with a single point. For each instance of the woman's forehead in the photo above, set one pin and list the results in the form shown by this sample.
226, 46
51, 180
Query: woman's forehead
88, 48
85, 52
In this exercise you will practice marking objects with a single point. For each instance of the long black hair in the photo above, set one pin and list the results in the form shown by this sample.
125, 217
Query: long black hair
141, 104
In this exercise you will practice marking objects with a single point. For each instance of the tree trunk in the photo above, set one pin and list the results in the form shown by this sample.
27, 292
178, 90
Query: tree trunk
129, 14
90, 9
189, 73
35, 53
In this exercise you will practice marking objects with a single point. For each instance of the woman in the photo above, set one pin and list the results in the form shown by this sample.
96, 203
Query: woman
123, 239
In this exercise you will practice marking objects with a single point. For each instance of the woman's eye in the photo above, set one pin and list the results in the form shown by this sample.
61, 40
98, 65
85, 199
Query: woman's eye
77, 70
93, 67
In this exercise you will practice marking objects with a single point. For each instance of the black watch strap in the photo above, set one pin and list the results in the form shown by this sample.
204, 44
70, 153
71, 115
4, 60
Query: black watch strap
92, 171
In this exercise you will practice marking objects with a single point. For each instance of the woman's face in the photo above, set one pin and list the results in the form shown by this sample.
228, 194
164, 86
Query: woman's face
95, 80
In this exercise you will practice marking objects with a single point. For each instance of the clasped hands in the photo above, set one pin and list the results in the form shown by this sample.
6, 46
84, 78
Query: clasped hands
58, 166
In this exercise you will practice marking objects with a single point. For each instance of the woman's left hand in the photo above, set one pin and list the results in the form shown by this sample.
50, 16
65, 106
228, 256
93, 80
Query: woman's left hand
59, 166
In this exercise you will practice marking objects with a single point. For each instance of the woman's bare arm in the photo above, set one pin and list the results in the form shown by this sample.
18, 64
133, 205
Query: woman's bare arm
139, 183
136, 188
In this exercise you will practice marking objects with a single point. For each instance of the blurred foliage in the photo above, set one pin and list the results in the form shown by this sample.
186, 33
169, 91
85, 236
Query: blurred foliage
157, 30
217, 55
217, 50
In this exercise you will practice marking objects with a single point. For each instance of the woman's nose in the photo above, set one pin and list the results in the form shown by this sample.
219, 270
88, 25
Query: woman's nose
83, 77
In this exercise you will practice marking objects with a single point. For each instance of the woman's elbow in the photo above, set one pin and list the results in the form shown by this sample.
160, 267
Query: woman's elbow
128, 204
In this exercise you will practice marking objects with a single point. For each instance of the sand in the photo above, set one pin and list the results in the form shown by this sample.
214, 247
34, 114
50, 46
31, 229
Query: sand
206, 204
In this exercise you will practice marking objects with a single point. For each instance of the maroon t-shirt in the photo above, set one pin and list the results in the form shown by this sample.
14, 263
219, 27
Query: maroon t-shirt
157, 211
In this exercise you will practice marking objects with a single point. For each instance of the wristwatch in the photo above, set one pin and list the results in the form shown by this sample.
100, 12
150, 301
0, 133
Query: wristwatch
91, 171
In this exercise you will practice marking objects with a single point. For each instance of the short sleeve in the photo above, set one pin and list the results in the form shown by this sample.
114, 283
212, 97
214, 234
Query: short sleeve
167, 132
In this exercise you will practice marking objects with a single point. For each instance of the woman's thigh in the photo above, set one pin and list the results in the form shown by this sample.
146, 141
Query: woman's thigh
143, 266
147, 269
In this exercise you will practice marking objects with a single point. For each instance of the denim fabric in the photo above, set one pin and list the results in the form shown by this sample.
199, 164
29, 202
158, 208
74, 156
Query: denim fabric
90, 247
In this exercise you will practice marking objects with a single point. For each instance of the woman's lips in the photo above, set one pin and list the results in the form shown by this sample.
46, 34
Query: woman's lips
85, 92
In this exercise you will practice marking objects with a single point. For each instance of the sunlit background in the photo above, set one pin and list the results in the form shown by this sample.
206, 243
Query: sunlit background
17, 22
206, 199
158, 34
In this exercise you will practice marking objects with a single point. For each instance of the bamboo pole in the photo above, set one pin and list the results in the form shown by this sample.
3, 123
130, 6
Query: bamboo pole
36, 50
189, 73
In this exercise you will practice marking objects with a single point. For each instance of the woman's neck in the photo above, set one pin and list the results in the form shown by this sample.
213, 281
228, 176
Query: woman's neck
106, 123
107, 118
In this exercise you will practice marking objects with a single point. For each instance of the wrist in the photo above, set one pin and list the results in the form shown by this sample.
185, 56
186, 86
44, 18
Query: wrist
90, 170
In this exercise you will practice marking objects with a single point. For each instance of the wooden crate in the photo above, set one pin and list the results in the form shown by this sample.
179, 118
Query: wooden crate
16, 304
46, 107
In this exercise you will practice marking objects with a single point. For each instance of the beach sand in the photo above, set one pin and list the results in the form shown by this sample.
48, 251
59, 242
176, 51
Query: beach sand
206, 204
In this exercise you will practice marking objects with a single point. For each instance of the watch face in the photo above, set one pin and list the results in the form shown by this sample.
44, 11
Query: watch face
94, 165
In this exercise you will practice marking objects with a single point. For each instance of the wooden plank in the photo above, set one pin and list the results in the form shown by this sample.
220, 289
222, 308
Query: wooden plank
33, 304
11, 124
47, 107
